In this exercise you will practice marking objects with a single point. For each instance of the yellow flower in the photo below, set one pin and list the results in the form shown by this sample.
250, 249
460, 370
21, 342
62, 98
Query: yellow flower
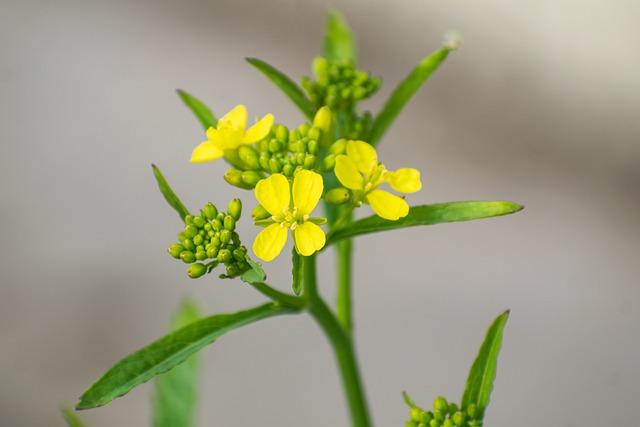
360, 172
274, 194
231, 133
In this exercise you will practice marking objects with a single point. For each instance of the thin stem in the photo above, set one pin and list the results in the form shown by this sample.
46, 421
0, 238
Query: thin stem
344, 251
341, 344
276, 295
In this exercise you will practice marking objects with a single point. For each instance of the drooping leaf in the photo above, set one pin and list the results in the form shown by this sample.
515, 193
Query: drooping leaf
168, 352
176, 391
168, 193
286, 85
339, 43
71, 418
403, 93
427, 215
483, 372
296, 272
201, 111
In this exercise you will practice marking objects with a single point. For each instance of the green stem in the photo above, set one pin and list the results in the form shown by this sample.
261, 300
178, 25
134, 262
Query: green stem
340, 342
344, 251
276, 295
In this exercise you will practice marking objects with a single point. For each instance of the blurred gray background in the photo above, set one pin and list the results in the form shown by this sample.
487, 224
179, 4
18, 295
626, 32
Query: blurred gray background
540, 106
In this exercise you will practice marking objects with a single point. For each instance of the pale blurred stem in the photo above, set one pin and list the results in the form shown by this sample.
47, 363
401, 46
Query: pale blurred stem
341, 343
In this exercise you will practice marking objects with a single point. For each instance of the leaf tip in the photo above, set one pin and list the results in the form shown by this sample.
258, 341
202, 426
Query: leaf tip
452, 40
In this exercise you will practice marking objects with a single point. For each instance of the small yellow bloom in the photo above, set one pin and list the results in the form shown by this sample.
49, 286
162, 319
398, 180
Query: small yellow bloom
360, 172
231, 133
274, 194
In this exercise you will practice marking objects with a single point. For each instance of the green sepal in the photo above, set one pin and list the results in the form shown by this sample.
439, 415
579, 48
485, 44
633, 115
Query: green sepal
296, 272
483, 372
288, 86
71, 418
404, 92
175, 394
168, 193
168, 352
339, 43
427, 215
201, 111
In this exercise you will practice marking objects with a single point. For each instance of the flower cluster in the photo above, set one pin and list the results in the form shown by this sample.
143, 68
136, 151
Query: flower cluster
444, 414
211, 236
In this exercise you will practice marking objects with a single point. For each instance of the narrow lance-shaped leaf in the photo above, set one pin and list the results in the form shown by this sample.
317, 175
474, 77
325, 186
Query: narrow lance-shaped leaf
71, 418
483, 372
339, 43
176, 391
296, 272
201, 111
288, 86
427, 215
168, 193
403, 93
168, 352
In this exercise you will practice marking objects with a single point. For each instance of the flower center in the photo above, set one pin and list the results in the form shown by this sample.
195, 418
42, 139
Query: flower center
290, 218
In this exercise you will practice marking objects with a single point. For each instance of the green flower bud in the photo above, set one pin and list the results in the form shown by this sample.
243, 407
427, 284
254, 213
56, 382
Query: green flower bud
314, 134
426, 417
197, 270
190, 231
472, 410
239, 254
199, 221
188, 244
281, 132
458, 418
434, 423
338, 147
234, 177
235, 209
329, 162
201, 255
275, 146
312, 147
175, 250
212, 252
229, 223
264, 161
309, 161
249, 157
182, 237
337, 196
210, 211
233, 157
303, 129
232, 270
453, 408
274, 165
359, 93
187, 257
197, 240
215, 241
225, 236
287, 169
320, 68
414, 414
216, 224
447, 423
259, 212
438, 415
441, 404
251, 178
224, 256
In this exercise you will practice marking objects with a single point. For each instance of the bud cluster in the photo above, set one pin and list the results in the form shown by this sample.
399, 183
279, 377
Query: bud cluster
444, 414
282, 151
211, 236
339, 84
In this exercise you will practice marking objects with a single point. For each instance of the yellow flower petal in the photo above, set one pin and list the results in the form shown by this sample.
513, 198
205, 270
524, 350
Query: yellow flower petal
269, 242
273, 193
236, 118
206, 152
387, 205
363, 155
347, 173
259, 130
406, 180
211, 132
309, 238
307, 189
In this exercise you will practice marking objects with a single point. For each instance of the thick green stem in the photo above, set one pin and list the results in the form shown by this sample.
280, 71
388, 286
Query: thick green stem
340, 342
344, 252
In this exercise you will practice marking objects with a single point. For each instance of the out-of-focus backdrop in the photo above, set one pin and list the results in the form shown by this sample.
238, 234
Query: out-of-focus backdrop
540, 106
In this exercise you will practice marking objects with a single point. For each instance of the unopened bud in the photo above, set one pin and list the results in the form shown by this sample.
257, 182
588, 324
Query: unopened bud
187, 257
249, 157
458, 418
232, 270
453, 408
224, 256
175, 250
337, 196
322, 119
201, 255
312, 147
472, 410
199, 221
440, 404
320, 69
259, 212
251, 178
447, 423
282, 133
235, 209
338, 147
197, 270
190, 231
229, 223
329, 162
234, 177
225, 236
414, 414
309, 161
434, 423
210, 211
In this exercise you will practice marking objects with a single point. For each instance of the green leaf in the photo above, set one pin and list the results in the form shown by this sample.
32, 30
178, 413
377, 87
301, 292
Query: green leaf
296, 271
201, 111
403, 93
483, 372
175, 395
426, 215
339, 43
71, 418
168, 352
288, 86
168, 193
254, 275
